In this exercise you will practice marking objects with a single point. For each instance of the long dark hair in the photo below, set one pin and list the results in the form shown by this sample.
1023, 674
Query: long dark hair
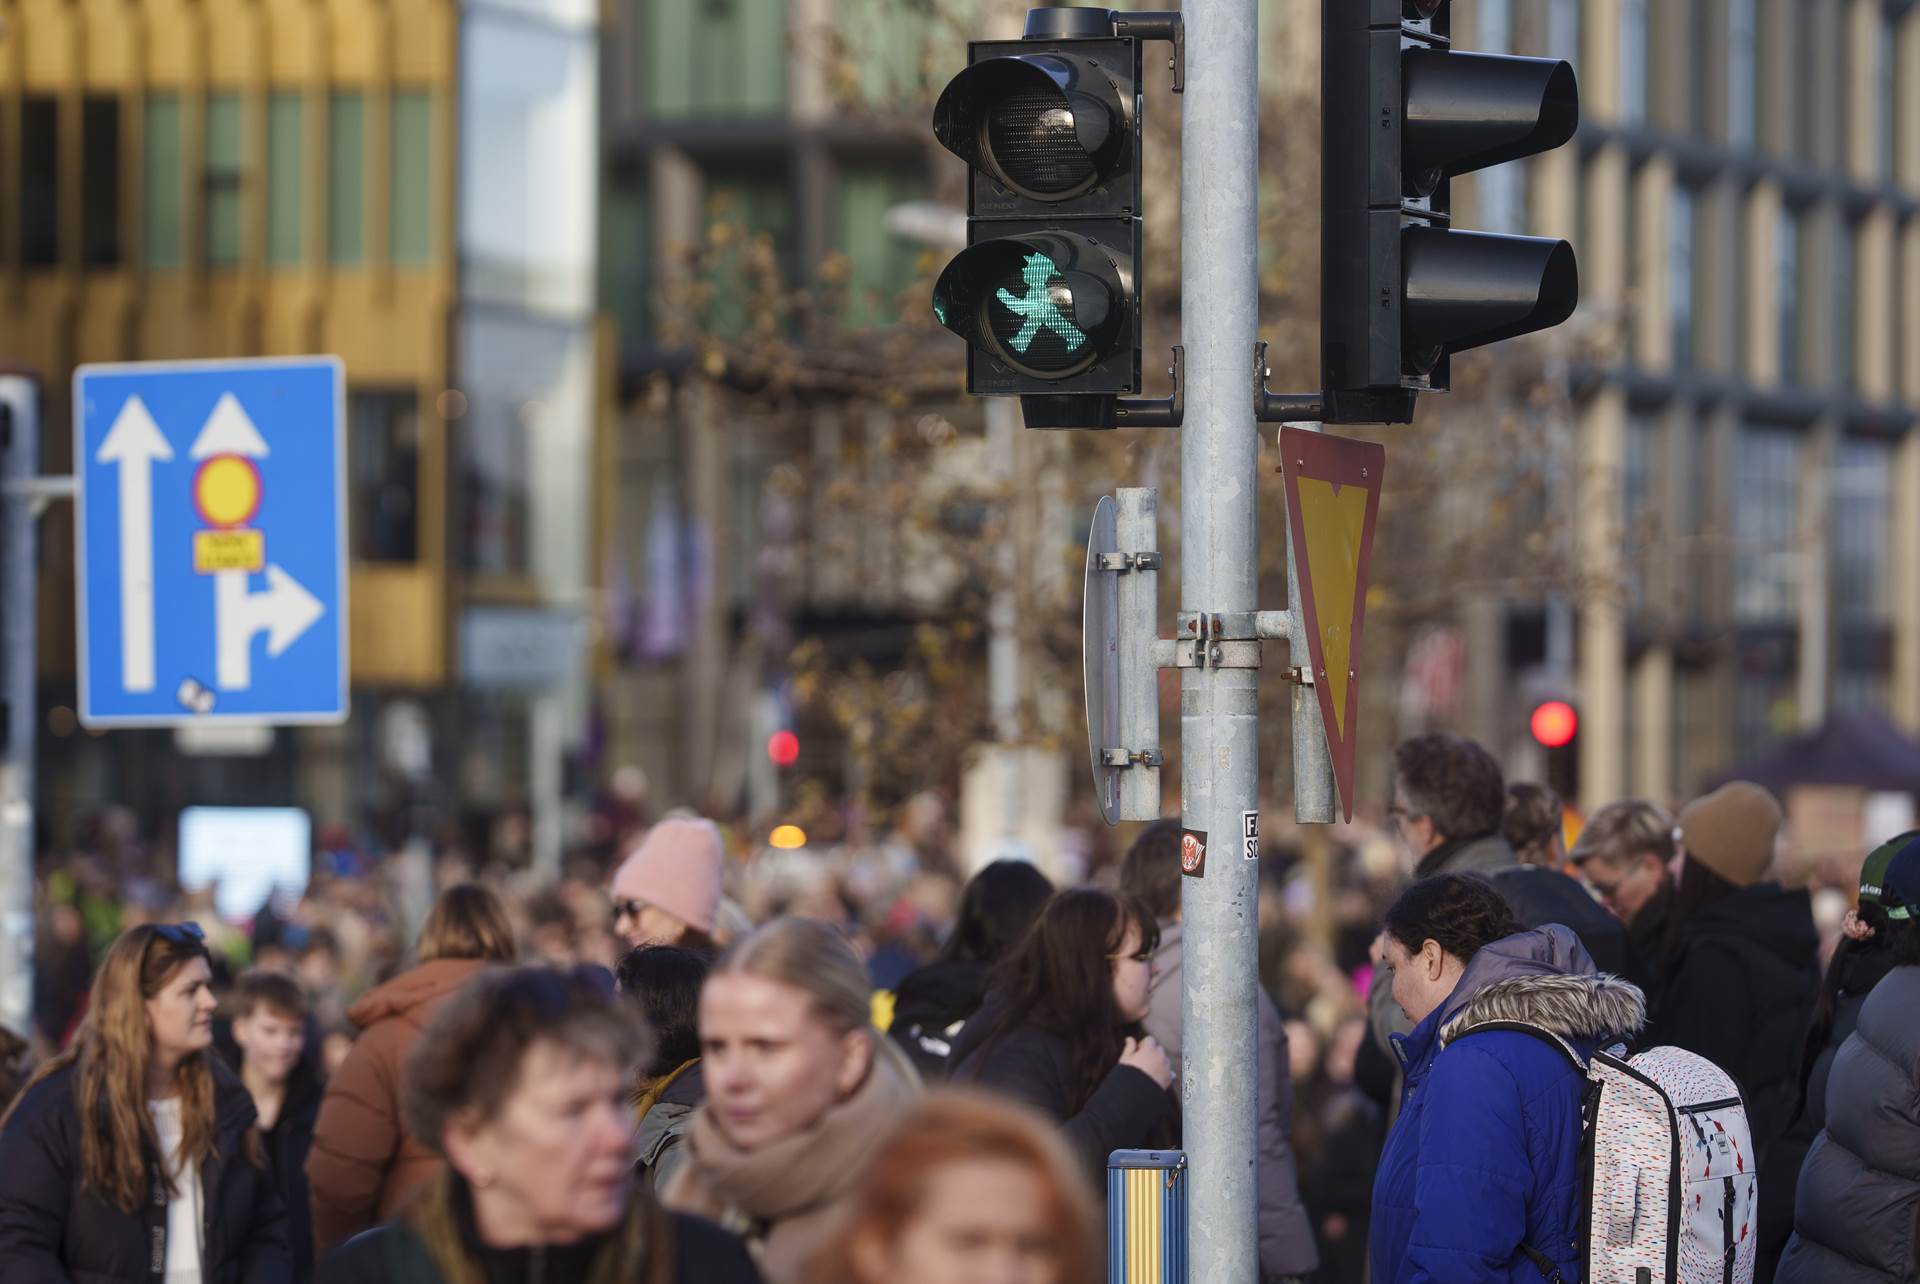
997, 907
1060, 980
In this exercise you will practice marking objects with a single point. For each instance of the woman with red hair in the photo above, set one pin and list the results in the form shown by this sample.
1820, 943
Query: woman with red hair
967, 1189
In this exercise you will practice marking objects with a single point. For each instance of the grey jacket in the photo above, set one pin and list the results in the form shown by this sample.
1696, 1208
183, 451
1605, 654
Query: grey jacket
658, 1152
1286, 1236
1857, 1212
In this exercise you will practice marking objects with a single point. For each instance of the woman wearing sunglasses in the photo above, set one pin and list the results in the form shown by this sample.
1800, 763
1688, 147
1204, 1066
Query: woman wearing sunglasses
1061, 1028
132, 1156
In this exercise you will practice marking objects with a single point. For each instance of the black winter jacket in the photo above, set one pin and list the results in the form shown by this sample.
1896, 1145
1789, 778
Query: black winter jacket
1127, 1111
54, 1232
931, 1007
1857, 1216
1741, 986
290, 1138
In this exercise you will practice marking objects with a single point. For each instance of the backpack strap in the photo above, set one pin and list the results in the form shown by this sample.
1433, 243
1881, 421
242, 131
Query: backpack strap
1543, 1264
1522, 1027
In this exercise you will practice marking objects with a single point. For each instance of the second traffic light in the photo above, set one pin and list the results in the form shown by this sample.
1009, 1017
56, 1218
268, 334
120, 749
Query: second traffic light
1047, 292
1401, 291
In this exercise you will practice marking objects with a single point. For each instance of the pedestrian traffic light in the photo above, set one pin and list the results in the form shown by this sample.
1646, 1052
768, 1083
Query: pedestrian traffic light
1047, 291
1401, 290
1556, 728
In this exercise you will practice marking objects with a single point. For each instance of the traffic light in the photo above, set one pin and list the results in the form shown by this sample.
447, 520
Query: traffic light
1555, 725
1047, 291
1401, 290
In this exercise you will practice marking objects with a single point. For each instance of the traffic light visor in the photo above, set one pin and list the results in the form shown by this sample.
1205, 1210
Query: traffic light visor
1046, 126
1466, 289
1048, 304
1466, 111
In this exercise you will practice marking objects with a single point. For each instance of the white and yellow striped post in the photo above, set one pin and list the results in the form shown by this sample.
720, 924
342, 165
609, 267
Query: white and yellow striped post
1147, 1217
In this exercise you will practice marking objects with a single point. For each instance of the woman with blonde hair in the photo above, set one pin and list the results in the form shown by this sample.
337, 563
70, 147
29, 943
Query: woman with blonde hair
965, 1189
800, 1090
132, 1156
364, 1163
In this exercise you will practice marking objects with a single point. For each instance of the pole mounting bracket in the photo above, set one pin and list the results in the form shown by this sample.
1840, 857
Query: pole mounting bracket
1164, 24
1281, 407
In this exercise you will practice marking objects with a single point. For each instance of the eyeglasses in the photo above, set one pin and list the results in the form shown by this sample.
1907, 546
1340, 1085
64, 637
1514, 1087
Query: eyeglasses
180, 934
627, 908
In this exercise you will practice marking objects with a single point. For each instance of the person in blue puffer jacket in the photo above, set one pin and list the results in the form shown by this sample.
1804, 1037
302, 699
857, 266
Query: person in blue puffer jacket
1479, 1181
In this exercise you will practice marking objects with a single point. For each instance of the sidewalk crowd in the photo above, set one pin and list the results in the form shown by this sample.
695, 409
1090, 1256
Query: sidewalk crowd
849, 1064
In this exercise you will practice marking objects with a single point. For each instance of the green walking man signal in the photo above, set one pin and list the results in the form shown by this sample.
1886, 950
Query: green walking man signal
1038, 307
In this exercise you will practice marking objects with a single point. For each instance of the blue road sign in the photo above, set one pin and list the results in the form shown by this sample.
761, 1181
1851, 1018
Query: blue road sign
212, 541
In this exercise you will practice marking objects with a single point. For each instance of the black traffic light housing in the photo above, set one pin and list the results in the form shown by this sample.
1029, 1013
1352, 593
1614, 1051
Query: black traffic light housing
1047, 292
1401, 291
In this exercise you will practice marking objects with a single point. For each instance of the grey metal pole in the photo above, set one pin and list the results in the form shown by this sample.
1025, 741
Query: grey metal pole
1136, 518
19, 464
1219, 741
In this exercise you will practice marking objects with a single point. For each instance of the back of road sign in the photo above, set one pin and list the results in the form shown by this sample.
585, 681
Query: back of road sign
211, 533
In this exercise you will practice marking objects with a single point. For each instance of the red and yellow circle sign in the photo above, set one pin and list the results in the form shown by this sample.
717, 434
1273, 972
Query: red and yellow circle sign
227, 491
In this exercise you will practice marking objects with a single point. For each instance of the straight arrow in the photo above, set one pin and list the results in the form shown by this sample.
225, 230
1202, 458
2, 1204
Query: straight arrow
133, 443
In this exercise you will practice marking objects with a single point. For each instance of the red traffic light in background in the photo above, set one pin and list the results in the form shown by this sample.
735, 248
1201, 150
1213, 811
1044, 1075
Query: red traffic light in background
783, 748
1555, 723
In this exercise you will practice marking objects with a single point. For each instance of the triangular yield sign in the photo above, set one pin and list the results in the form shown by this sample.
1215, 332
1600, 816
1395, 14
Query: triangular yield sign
1333, 497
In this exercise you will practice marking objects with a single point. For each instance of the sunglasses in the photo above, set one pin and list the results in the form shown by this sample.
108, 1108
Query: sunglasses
184, 935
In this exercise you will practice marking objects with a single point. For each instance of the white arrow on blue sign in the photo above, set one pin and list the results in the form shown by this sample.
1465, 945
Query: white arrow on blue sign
211, 529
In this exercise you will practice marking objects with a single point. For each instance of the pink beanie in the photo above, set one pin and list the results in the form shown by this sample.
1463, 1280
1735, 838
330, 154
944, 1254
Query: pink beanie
677, 868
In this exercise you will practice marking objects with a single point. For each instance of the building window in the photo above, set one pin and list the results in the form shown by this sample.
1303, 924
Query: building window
1846, 298
346, 178
882, 264
1765, 521
39, 181
225, 161
1742, 53
411, 162
1681, 276
1563, 31
751, 206
1786, 293
383, 454
714, 58
1633, 62
1860, 520
100, 182
1639, 517
286, 123
162, 170
625, 256
1887, 96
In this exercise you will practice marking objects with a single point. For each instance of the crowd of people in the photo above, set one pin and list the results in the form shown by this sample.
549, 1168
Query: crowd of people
851, 1064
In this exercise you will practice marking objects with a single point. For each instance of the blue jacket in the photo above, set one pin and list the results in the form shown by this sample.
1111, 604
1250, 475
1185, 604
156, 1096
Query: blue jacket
1485, 1154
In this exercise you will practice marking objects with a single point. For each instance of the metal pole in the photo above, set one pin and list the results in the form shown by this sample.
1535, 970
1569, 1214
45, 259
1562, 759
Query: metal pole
19, 461
1136, 517
1219, 153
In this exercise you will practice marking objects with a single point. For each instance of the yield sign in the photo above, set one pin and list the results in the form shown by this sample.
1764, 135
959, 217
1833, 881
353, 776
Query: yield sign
1333, 497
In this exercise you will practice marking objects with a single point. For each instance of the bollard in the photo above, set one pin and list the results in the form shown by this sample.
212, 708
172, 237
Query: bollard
1147, 1217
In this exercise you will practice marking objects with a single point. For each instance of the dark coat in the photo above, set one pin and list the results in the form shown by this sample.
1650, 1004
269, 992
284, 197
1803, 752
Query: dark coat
673, 1249
1741, 986
1127, 1111
290, 1138
930, 1009
1485, 1156
53, 1231
1857, 1212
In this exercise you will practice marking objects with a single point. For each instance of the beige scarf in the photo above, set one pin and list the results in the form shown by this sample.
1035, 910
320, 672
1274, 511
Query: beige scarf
785, 1196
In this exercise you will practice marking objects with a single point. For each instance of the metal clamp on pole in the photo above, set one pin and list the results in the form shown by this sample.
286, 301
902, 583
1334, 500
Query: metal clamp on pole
1165, 24
1280, 407
1157, 412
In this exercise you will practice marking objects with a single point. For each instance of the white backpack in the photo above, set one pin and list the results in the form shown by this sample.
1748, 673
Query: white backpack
1666, 1169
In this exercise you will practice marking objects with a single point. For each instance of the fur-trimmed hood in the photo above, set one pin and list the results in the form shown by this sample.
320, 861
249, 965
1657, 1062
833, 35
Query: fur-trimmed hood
1592, 1008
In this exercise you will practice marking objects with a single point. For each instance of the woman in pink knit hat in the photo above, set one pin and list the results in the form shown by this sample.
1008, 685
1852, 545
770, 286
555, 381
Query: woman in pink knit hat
668, 891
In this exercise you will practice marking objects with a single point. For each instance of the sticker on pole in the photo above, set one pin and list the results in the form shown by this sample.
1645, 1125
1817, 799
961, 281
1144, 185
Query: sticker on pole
1333, 499
1193, 853
1250, 835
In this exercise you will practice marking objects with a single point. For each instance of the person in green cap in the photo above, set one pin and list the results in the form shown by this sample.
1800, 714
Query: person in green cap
1857, 1201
